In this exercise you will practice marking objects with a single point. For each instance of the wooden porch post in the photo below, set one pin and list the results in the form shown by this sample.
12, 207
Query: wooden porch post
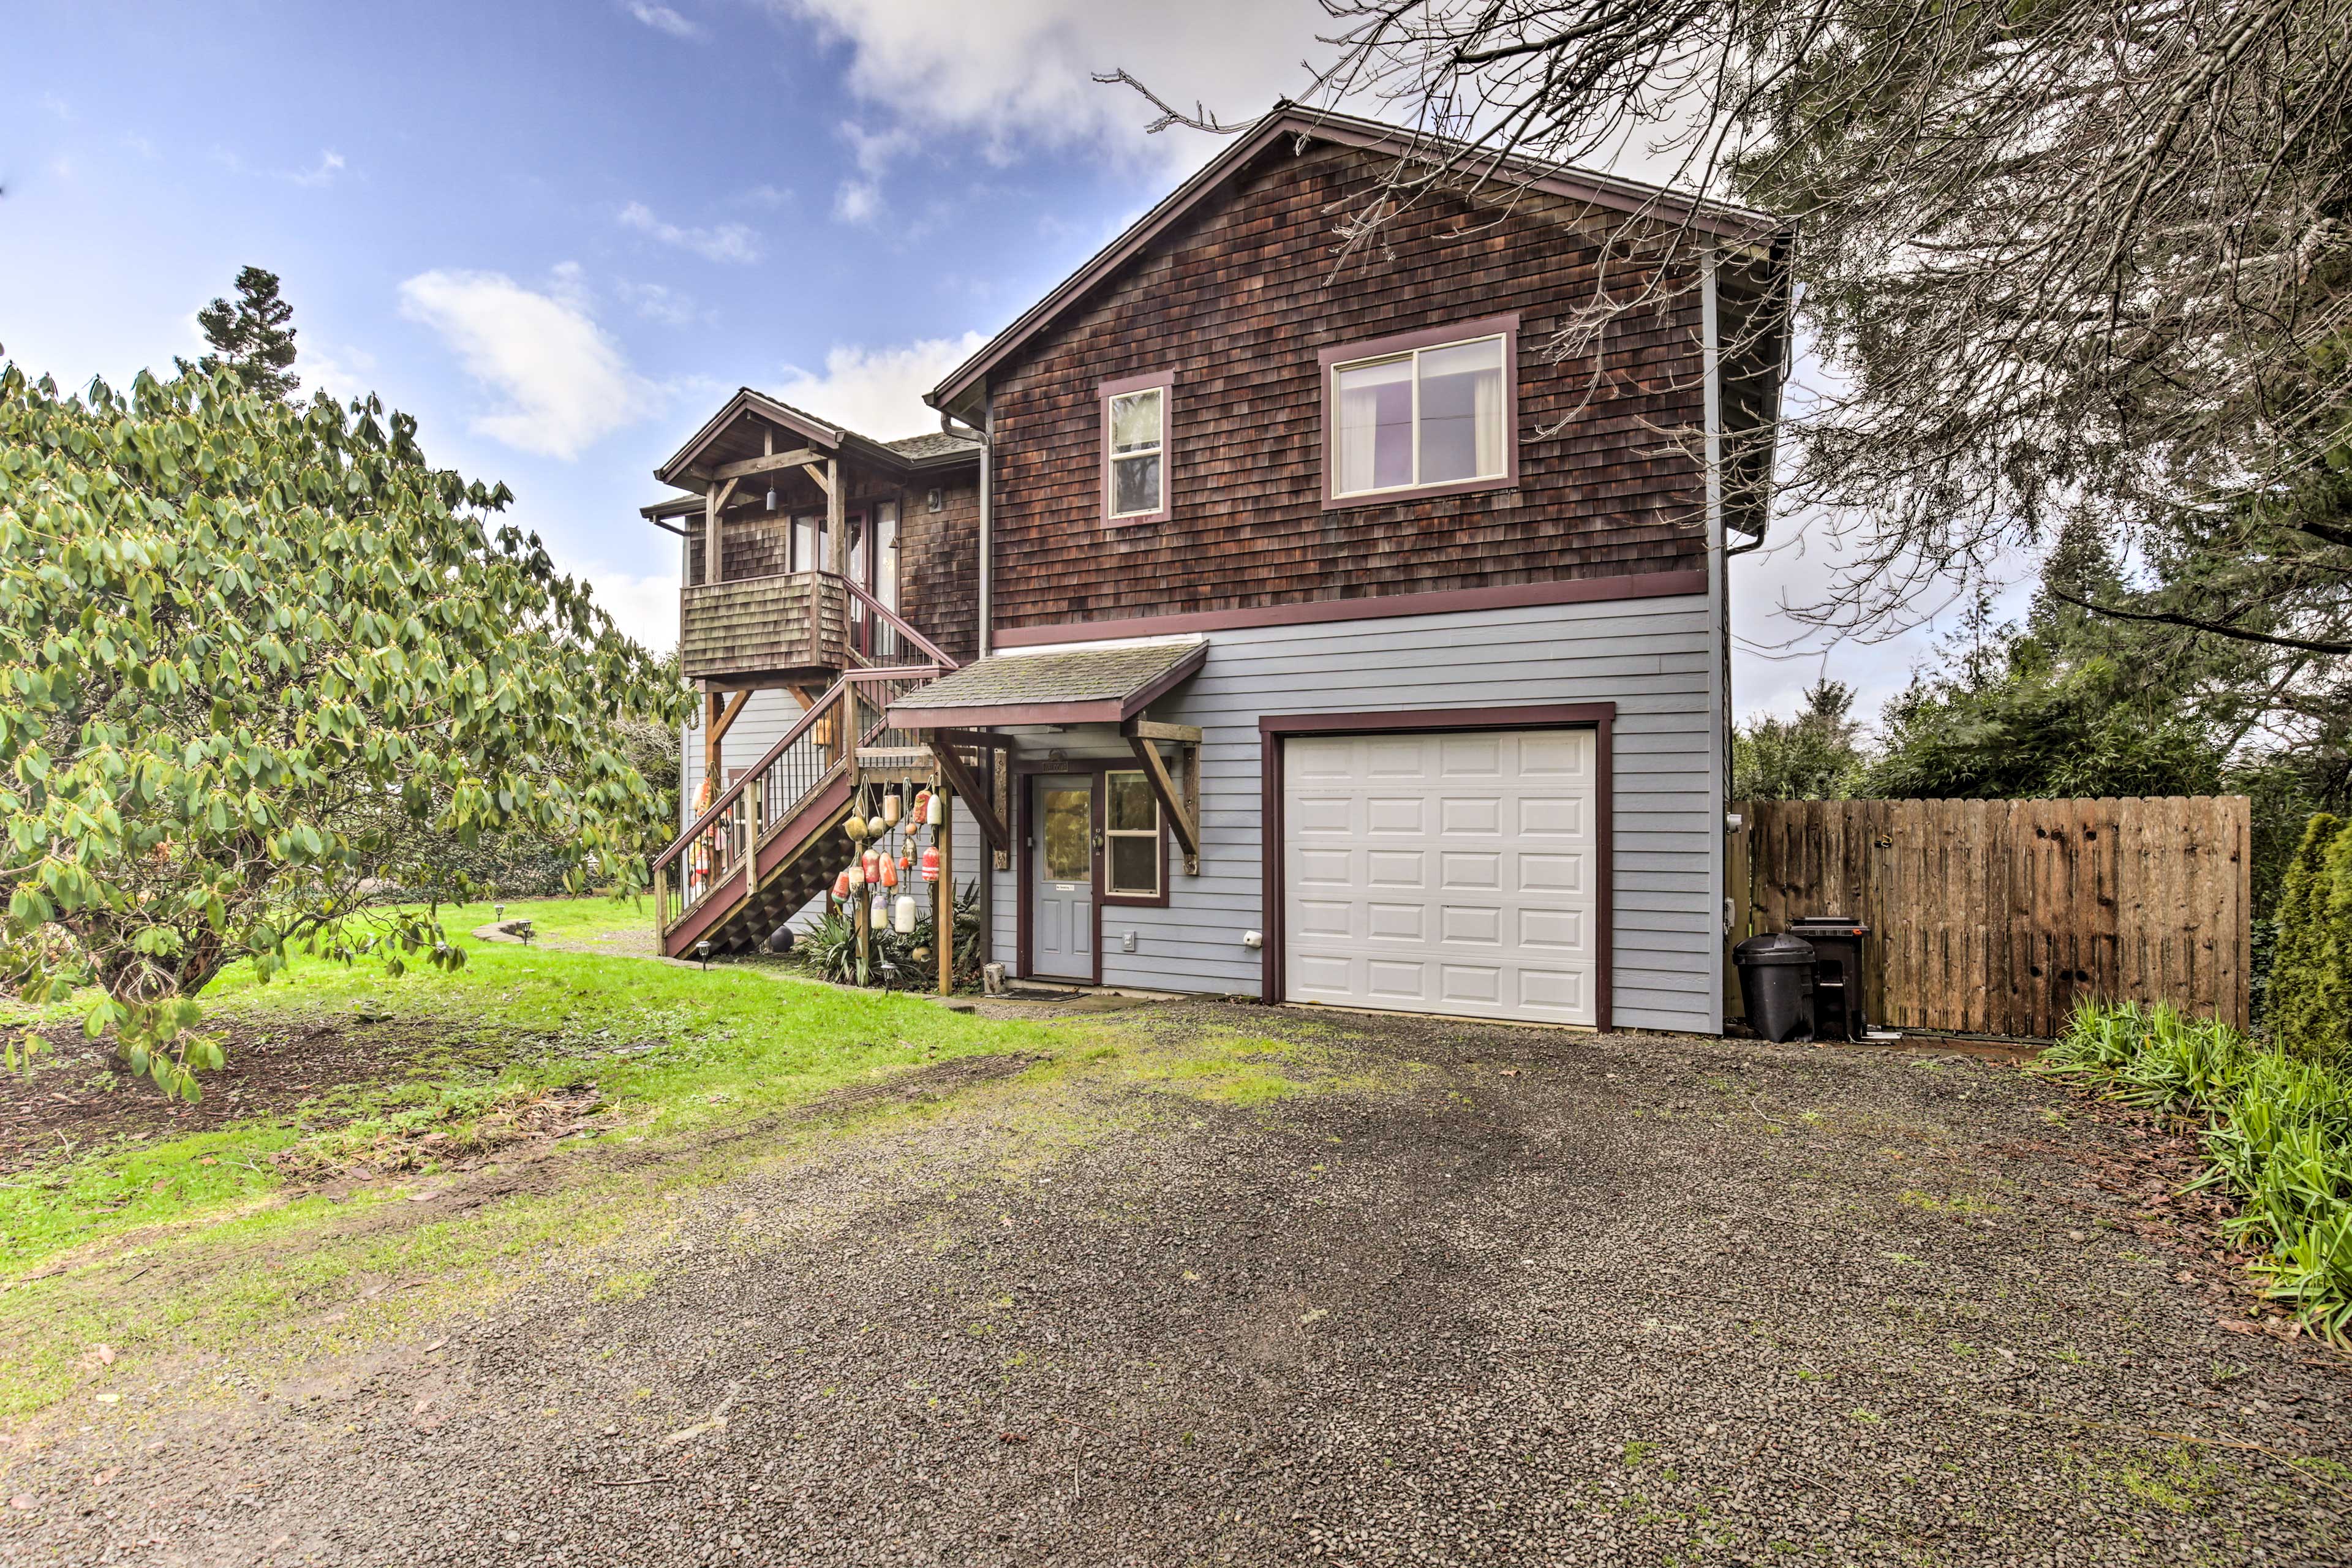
943, 892
836, 520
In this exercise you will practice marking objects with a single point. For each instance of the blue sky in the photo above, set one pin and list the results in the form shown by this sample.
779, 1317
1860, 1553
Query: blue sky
560, 231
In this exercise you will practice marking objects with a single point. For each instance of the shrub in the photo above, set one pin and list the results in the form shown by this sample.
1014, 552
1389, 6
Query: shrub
2309, 996
2278, 1137
827, 943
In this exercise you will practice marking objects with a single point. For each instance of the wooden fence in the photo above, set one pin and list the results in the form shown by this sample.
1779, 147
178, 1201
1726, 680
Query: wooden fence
1993, 916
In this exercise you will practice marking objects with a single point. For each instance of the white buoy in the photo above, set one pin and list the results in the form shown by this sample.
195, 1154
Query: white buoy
904, 921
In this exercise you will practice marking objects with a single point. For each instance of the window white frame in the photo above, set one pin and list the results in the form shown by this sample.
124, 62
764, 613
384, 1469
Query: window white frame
1408, 347
1108, 396
1156, 833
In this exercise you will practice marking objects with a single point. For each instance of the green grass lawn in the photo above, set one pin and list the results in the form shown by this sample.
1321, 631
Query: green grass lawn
669, 1051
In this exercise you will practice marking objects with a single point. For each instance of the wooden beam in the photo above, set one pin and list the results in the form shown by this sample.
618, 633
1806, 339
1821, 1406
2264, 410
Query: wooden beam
714, 503
836, 518
1182, 817
822, 477
718, 716
1151, 730
776, 463
960, 780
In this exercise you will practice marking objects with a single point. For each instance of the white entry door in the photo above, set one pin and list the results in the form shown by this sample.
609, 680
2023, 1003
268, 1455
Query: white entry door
1448, 872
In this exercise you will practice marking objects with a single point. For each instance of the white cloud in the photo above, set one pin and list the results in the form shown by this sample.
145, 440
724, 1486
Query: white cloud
768, 196
857, 201
661, 19
726, 242
566, 385
879, 392
659, 302
329, 164
341, 371
1019, 71
643, 607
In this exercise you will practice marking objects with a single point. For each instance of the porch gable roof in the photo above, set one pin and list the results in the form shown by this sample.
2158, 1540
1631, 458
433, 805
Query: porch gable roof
1069, 686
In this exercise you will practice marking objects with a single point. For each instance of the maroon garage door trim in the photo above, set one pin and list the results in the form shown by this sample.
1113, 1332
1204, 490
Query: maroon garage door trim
1274, 728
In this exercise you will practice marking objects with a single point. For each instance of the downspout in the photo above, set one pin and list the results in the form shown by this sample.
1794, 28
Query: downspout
1718, 628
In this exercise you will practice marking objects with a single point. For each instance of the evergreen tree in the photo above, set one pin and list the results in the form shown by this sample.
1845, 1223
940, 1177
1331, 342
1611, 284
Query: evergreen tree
251, 336
1812, 756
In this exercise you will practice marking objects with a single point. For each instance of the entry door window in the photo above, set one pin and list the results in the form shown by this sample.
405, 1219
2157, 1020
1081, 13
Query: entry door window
1068, 821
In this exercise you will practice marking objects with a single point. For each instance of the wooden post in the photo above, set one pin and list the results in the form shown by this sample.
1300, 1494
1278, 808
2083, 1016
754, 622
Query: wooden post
661, 901
943, 892
710, 559
836, 520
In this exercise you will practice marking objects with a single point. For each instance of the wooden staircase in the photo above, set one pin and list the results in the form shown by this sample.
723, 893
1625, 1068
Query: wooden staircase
773, 840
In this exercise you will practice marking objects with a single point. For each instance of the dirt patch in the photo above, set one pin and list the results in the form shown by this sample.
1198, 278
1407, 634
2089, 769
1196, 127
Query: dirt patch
932, 1081
83, 1095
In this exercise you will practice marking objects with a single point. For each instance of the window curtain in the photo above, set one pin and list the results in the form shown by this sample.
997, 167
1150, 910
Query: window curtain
1488, 403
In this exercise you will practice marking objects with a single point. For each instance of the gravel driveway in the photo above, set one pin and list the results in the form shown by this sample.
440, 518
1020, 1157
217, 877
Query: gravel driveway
1520, 1297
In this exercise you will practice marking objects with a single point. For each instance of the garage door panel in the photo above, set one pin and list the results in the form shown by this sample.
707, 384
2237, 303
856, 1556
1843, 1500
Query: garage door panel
1324, 867
1549, 873
1479, 925
1326, 917
1555, 815
1466, 881
1465, 816
1322, 814
1554, 931
1394, 980
1464, 870
1470, 756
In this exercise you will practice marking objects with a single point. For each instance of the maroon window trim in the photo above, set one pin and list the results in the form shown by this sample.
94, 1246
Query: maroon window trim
1506, 326
1164, 383
1274, 728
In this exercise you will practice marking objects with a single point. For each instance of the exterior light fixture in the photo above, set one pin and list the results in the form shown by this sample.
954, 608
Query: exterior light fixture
771, 497
702, 952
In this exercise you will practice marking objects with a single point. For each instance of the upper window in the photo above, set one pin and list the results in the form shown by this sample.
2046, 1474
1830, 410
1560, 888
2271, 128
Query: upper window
1135, 449
1425, 413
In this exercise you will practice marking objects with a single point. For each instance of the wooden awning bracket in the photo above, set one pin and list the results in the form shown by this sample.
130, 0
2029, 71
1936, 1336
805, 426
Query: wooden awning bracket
970, 790
1180, 795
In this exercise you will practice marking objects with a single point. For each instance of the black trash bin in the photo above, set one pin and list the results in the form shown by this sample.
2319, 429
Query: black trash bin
1775, 982
1843, 947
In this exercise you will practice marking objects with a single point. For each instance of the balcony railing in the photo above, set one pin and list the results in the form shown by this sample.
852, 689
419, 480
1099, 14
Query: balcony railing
792, 621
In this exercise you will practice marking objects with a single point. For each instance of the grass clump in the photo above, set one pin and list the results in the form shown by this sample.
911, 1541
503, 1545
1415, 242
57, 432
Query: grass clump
2278, 1137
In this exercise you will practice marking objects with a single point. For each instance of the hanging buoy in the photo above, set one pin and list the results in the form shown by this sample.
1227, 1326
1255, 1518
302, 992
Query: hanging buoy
840, 887
892, 809
889, 871
903, 917
938, 812
875, 827
922, 806
931, 864
871, 864
855, 827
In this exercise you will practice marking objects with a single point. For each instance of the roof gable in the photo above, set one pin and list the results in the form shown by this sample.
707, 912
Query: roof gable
955, 393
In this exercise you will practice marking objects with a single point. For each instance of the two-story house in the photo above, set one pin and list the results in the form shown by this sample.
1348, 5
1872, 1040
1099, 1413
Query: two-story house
1288, 626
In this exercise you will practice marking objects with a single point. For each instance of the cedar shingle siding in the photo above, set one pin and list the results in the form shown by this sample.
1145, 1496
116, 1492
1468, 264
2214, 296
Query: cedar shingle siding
1237, 300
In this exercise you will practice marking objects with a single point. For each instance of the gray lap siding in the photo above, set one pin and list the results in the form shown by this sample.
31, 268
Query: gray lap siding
1649, 657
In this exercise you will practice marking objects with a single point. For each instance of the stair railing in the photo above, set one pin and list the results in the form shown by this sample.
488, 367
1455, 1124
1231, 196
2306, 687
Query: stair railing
719, 845
929, 650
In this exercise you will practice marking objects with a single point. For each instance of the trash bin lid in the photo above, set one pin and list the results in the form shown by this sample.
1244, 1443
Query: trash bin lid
1777, 948
1828, 924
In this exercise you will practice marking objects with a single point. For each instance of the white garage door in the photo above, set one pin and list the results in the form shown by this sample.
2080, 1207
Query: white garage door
1444, 873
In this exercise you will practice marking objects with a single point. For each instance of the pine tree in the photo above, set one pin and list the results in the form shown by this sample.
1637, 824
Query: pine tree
2308, 966
251, 336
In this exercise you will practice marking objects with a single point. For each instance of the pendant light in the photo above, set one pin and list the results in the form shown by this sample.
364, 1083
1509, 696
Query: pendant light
771, 495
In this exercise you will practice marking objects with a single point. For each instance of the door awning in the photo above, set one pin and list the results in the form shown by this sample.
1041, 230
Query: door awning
1071, 686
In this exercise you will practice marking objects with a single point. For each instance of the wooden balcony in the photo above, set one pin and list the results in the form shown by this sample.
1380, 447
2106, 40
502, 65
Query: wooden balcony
793, 623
